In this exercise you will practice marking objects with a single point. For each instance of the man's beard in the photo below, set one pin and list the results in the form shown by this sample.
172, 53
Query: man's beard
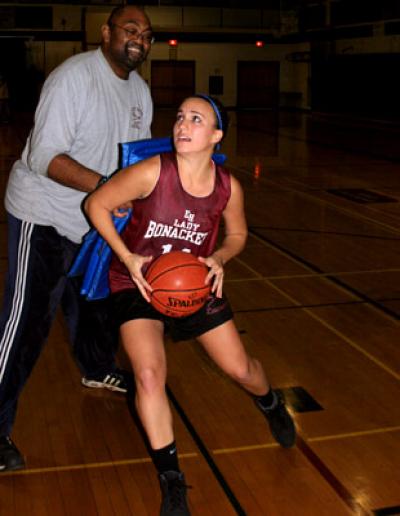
133, 59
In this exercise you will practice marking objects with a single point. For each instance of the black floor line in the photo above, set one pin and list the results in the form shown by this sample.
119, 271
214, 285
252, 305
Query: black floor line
332, 480
331, 278
317, 305
207, 456
330, 233
303, 447
300, 307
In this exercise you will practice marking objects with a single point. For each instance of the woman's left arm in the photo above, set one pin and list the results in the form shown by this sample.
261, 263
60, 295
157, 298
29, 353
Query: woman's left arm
234, 241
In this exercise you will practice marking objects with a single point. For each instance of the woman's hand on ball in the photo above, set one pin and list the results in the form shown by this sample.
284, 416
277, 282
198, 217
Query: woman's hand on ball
215, 274
134, 263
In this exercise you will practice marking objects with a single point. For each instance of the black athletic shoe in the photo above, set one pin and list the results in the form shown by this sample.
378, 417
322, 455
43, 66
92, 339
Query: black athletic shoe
173, 490
118, 381
280, 421
10, 457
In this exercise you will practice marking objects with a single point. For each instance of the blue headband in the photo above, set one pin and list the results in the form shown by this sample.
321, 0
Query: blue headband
215, 108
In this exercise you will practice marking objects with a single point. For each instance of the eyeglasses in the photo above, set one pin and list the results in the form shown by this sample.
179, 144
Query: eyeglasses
148, 39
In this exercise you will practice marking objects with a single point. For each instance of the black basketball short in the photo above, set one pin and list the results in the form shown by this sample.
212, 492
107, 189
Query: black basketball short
129, 305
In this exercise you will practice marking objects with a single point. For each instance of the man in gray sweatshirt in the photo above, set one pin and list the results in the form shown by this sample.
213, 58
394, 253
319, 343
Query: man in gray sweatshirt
88, 105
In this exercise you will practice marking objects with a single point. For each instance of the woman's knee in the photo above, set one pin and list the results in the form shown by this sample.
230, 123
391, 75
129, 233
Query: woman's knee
150, 380
242, 371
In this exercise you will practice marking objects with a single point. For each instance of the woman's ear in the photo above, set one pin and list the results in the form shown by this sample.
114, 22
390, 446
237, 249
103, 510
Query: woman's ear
217, 136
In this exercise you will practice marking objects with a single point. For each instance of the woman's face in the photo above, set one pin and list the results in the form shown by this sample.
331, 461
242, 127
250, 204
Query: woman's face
195, 127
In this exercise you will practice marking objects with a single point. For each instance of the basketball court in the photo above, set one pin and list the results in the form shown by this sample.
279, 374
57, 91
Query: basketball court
316, 298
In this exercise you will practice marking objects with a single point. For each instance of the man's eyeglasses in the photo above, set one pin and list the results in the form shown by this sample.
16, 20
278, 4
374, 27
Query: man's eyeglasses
148, 39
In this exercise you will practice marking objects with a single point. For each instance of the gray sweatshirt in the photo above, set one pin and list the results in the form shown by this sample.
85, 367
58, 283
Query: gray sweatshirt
85, 111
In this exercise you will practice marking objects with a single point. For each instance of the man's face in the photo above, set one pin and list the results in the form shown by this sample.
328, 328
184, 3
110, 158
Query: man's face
127, 41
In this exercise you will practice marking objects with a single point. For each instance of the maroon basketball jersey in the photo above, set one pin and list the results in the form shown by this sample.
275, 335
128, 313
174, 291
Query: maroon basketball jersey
170, 219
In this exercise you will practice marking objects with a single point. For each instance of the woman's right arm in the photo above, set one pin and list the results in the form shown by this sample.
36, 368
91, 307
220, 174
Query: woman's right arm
132, 183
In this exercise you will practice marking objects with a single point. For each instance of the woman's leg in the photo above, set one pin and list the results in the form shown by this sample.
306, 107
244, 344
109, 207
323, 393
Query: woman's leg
144, 343
226, 349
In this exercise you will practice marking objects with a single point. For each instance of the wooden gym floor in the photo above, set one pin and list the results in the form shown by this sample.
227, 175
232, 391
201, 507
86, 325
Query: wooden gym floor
317, 298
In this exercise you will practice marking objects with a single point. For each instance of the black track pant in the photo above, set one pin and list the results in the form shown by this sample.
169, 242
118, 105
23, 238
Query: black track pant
36, 285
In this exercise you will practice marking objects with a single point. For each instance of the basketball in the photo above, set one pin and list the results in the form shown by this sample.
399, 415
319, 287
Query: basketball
177, 279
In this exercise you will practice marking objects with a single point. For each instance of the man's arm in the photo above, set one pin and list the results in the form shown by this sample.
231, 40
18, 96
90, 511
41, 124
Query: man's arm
68, 172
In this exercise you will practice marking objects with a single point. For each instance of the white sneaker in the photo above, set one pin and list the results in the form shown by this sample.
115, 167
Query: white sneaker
113, 381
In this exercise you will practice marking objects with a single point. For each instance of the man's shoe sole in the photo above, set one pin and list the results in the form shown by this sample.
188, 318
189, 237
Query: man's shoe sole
100, 385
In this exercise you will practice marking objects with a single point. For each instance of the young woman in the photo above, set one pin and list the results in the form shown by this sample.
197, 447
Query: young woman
184, 189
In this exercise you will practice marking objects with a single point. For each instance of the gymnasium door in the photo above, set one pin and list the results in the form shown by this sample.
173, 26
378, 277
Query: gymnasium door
171, 82
258, 84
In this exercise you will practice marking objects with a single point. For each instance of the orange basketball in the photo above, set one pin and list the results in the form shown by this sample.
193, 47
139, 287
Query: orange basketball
178, 284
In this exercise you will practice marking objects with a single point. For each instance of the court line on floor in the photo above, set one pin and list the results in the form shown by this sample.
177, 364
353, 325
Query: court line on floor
342, 336
339, 488
366, 206
207, 455
319, 201
250, 447
309, 274
217, 451
299, 307
333, 437
90, 465
360, 433
391, 314
329, 233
